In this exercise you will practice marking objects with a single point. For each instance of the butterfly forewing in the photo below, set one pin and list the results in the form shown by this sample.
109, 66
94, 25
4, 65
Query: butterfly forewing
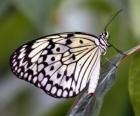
59, 64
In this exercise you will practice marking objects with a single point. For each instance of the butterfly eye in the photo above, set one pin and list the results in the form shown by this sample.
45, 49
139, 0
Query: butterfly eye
106, 34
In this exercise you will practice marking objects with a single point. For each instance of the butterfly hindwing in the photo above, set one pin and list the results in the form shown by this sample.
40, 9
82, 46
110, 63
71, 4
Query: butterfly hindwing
59, 64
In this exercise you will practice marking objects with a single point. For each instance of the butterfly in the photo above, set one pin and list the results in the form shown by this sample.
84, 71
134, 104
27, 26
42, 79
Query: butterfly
61, 64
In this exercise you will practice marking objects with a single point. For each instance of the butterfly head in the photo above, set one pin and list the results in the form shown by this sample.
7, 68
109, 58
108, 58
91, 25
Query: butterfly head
104, 35
103, 39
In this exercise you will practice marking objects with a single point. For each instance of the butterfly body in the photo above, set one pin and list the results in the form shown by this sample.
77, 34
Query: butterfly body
61, 64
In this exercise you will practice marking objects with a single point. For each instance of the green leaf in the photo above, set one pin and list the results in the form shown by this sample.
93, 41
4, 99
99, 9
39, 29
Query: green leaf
135, 17
134, 83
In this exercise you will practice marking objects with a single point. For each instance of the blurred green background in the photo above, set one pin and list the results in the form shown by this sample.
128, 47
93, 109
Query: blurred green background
25, 20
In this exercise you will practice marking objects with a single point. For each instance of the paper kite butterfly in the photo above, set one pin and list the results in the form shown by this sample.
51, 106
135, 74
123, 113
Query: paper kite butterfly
61, 64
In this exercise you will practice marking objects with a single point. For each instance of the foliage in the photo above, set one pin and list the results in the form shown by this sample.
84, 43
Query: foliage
134, 83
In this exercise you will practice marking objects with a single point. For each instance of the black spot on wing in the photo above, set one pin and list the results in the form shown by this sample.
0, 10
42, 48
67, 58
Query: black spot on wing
52, 68
68, 41
53, 59
58, 75
65, 72
70, 35
81, 42
49, 51
52, 44
73, 57
67, 78
58, 49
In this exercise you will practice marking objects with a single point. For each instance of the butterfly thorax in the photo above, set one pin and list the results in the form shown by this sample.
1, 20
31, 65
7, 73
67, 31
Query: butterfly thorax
103, 40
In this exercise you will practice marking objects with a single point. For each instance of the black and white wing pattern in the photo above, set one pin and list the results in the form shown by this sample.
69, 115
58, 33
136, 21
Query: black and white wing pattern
61, 64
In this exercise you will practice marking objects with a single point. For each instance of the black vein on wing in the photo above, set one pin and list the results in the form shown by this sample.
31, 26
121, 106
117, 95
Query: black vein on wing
88, 66
83, 54
94, 63
81, 69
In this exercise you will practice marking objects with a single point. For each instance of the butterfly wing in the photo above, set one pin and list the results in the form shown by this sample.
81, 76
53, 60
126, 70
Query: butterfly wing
60, 64
95, 73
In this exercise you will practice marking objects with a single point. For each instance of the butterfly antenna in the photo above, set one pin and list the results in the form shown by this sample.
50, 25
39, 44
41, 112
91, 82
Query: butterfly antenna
116, 14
